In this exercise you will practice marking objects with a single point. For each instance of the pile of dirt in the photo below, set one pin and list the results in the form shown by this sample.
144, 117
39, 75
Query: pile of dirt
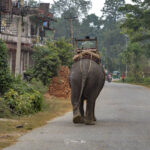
59, 86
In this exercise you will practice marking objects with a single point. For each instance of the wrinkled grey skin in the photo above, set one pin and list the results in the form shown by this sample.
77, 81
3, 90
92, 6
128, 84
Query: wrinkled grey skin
87, 79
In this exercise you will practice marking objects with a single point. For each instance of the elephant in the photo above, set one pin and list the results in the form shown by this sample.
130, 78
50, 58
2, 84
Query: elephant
86, 79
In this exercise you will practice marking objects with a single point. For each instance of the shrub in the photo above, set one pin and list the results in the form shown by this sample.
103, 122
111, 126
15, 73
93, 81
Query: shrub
65, 52
147, 81
24, 103
130, 79
143, 81
22, 98
46, 62
28, 75
4, 110
5, 77
38, 85
20, 86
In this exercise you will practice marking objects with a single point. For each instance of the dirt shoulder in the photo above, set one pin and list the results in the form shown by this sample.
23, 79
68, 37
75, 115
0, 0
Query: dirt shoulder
11, 129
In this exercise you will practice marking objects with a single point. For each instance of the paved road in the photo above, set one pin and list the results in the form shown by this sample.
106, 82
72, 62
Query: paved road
123, 113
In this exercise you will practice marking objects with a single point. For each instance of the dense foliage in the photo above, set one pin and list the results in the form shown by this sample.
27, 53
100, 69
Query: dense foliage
23, 103
48, 58
65, 52
46, 62
136, 26
21, 99
71, 7
17, 97
5, 77
112, 41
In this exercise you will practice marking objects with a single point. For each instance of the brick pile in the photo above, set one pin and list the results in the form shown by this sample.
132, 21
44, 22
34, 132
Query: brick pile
59, 86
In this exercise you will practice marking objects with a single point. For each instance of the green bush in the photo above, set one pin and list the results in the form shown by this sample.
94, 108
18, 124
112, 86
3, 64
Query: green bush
46, 63
24, 103
65, 52
4, 110
28, 75
21, 99
143, 81
130, 79
5, 77
38, 85
20, 86
147, 81
48, 58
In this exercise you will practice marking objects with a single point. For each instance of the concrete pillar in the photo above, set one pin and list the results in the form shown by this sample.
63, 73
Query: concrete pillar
10, 60
28, 59
29, 26
18, 52
38, 34
22, 63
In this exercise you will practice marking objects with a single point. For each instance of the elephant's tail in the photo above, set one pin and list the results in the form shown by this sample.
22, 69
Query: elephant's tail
82, 87
84, 75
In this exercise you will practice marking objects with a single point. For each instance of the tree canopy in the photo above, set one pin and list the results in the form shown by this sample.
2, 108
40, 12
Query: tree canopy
49, 57
72, 7
136, 26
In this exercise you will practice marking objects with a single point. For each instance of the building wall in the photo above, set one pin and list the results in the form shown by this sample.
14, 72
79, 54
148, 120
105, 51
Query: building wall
9, 35
10, 25
26, 58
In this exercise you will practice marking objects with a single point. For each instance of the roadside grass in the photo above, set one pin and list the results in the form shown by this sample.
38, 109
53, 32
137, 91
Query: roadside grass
11, 129
145, 84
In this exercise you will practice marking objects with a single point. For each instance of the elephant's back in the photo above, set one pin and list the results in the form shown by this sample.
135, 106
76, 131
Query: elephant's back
85, 65
88, 68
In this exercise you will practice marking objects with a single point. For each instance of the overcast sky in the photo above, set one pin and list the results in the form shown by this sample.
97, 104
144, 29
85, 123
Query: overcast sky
97, 5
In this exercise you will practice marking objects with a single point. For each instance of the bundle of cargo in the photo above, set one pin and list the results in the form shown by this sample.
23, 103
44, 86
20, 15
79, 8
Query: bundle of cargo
59, 86
86, 53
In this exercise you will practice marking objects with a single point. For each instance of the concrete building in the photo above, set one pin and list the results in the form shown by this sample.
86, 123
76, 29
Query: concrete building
32, 32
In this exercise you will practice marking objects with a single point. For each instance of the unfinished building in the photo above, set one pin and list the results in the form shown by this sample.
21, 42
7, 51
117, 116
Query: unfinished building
32, 32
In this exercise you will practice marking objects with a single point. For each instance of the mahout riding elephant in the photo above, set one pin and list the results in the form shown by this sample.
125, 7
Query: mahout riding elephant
87, 79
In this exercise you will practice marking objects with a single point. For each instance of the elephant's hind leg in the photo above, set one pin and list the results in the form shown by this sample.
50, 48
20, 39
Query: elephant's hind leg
82, 110
75, 99
89, 113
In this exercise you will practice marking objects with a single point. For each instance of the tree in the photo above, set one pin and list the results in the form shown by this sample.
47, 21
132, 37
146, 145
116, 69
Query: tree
46, 62
90, 26
111, 40
111, 12
73, 7
48, 58
68, 10
5, 77
136, 26
65, 52
137, 21
62, 28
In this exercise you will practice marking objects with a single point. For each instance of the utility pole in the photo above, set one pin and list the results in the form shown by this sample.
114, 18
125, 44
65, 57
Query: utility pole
0, 14
126, 58
18, 51
71, 27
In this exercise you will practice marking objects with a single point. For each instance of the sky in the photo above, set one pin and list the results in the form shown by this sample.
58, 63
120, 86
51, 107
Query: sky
97, 5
